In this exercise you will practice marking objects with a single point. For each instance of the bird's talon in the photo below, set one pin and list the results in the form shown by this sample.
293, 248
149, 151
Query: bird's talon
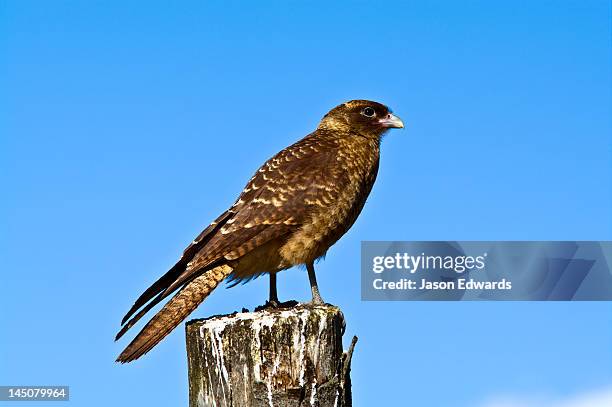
275, 304
272, 304
315, 302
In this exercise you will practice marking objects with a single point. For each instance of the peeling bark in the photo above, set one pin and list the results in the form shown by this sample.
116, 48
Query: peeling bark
274, 357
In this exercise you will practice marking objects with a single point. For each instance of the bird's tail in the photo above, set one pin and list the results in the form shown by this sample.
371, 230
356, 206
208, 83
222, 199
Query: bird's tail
174, 312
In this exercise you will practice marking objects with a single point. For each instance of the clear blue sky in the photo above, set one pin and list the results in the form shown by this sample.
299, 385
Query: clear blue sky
126, 127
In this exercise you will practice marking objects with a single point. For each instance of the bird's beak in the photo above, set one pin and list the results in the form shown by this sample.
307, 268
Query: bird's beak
391, 121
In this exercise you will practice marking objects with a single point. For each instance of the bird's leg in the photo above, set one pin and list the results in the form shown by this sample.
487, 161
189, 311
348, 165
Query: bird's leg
273, 299
314, 288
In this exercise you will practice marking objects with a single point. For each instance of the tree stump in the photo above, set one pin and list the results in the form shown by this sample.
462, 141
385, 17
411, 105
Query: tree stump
274, 357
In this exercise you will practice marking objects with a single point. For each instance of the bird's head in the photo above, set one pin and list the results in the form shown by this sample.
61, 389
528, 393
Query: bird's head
370, 119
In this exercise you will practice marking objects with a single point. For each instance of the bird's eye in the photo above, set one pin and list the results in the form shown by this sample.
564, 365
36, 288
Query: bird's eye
368, 111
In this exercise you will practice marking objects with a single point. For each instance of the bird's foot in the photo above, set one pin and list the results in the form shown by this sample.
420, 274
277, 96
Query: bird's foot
275, 304
272, 303
315, 301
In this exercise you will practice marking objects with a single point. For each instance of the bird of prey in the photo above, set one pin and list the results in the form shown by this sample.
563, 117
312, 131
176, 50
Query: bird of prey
295, 207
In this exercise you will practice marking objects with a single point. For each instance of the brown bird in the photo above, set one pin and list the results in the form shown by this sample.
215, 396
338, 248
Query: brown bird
295, 207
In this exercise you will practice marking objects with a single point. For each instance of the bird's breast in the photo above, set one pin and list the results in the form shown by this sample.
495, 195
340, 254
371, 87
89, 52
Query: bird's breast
348, 184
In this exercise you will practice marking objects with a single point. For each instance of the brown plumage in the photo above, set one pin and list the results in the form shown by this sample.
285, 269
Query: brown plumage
295, 207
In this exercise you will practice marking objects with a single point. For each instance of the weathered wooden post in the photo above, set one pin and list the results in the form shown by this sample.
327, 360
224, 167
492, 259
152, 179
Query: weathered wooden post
274, 357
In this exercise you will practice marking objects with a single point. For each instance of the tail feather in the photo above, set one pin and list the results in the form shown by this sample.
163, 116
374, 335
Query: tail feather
162, 294
159, 286
173, 313
140, 314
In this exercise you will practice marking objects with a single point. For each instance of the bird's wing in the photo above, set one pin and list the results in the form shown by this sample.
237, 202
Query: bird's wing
275, 202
